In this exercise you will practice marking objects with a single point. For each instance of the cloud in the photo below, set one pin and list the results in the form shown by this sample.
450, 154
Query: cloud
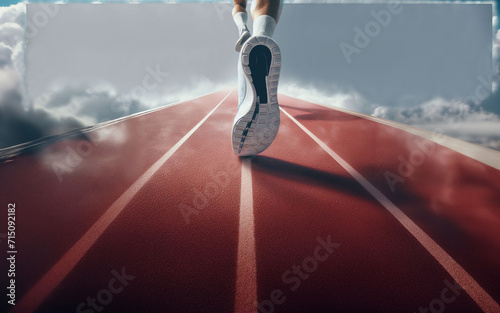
86, 104
91, 104
18, 124
13, 14
437, 110
11, 46
5, 55
466, 121
68, 105
332, 96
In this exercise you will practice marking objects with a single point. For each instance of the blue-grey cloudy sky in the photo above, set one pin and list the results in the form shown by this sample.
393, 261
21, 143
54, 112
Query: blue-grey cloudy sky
422, 64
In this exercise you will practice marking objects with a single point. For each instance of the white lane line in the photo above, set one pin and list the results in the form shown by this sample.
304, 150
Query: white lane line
479, 153
459, 274
246, 270
17, 149
44, 287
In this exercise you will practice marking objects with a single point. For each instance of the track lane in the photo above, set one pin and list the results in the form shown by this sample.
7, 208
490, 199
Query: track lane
300, 194
54, 214
178, 267
453, 198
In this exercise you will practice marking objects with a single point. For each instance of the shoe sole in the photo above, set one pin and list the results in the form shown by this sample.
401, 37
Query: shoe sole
256, 129
241, 41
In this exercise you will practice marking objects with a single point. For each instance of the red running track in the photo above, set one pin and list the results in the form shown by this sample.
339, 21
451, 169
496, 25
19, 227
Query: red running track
154, 213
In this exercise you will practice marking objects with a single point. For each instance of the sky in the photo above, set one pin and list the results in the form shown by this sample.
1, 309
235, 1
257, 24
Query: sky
428, 65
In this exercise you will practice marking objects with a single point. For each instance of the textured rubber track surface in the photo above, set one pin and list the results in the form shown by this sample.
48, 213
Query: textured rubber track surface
300, 196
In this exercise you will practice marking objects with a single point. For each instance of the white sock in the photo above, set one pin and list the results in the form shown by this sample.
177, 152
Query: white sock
240, 19
264, 25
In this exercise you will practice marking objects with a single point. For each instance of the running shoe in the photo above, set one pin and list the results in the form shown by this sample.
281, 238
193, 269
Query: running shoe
257, 122
244, 35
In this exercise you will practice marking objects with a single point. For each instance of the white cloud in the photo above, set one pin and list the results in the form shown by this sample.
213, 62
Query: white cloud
454, 118
65, 106
11, 33
335, 97
5, 54
91, 104
18, 125
11, 48
437, 110
13, 14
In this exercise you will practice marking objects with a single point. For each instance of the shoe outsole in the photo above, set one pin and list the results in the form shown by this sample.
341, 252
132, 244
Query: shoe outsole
241, 41
254, 131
